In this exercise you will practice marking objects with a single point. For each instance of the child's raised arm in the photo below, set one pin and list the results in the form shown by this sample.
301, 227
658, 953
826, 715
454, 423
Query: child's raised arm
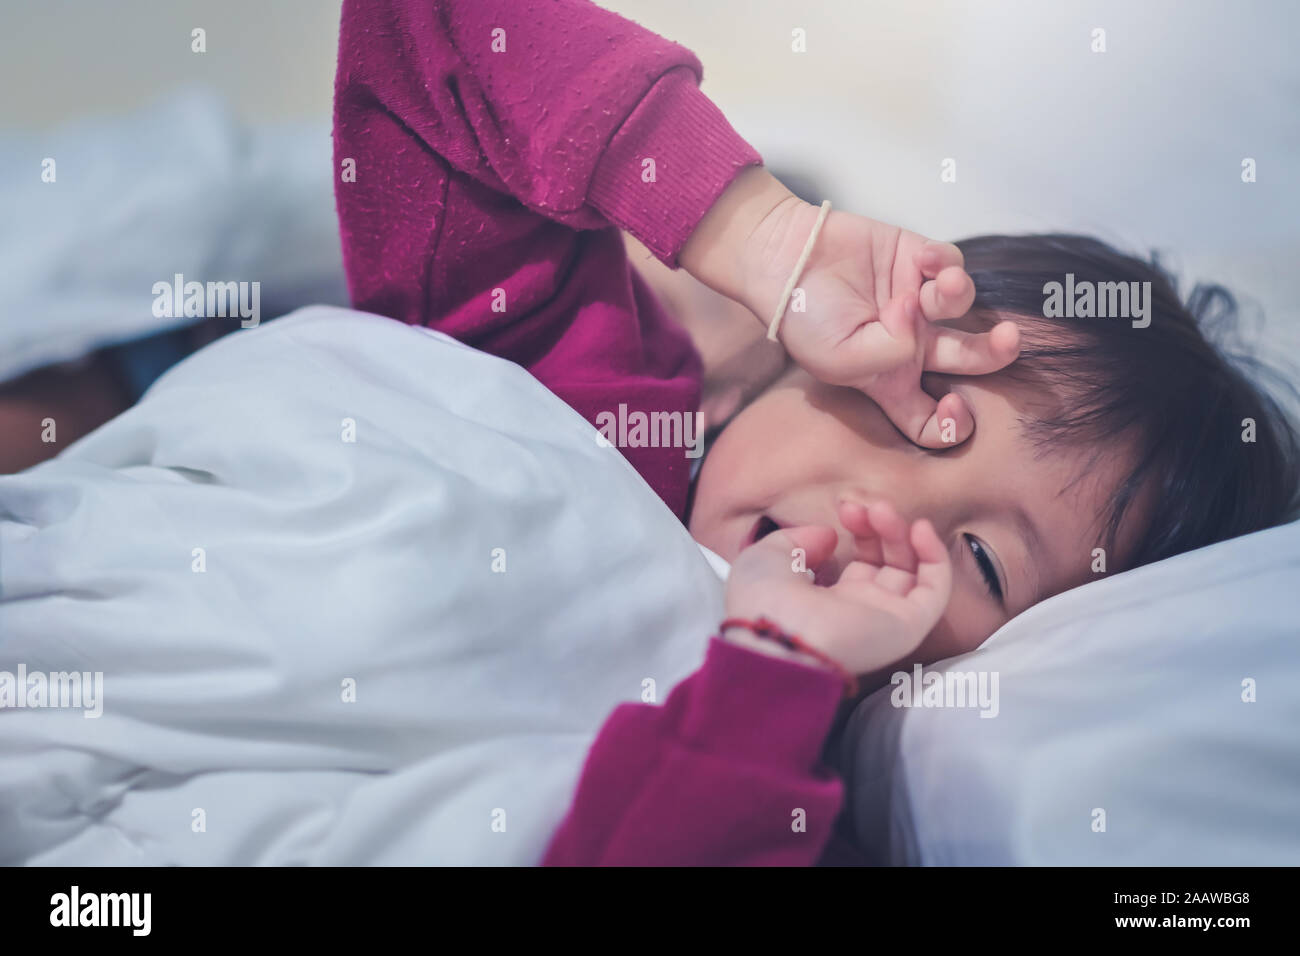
475, 128
486, 150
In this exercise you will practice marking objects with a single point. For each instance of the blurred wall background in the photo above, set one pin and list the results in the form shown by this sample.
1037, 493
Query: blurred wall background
1141, 144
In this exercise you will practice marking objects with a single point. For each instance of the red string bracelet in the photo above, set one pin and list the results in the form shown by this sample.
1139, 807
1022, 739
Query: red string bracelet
770, 631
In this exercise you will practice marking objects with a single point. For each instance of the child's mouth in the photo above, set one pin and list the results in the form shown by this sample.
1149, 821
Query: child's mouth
825, 576
762, 529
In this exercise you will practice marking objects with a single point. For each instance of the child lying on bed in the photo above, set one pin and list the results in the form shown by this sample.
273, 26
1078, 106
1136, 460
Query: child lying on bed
490, 151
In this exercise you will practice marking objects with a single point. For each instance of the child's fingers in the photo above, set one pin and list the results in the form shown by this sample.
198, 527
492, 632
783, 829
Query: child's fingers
883, 341
934, 257
897, 575
901, 318
947, 296
853, 516
781, 552
862, 578
895, 581
955, 352
857, 574
880, 533
933, 570
922, 420
885, 556
896, 549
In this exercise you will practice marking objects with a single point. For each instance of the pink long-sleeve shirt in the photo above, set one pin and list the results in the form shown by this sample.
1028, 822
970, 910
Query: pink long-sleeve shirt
488, 152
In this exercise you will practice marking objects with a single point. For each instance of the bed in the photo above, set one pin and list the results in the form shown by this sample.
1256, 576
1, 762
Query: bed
301, 697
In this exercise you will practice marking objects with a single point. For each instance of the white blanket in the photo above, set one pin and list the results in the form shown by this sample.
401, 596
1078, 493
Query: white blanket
226, 736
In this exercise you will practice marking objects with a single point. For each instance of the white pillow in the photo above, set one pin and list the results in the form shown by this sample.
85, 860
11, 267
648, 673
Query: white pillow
1124, 697
179, 185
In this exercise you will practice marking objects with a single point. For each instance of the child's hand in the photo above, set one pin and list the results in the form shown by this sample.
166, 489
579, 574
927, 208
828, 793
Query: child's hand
871, 293
881, 608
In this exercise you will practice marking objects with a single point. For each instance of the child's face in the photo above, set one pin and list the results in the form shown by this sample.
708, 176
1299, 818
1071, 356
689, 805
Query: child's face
802, 446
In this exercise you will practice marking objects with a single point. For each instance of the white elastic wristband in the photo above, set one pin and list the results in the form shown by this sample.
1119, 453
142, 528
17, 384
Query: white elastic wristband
775, 325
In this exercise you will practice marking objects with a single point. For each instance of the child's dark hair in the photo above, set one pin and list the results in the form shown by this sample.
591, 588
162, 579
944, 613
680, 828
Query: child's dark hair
1178, 390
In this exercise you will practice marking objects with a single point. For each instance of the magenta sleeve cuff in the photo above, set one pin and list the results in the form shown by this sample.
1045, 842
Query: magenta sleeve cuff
759, 708
667, 164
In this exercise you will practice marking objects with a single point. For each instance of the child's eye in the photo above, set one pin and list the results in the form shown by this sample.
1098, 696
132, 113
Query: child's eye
985, 565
